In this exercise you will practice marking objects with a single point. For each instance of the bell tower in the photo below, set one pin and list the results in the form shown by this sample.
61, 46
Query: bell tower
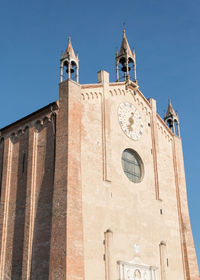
126, 60
69, 64
172, 119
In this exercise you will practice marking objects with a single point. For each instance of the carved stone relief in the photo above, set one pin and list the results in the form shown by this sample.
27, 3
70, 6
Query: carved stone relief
136, 270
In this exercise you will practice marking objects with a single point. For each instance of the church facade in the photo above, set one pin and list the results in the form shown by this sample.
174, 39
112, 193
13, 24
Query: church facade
93, 186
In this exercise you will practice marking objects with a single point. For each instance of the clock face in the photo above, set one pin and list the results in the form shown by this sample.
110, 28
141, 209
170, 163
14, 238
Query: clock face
130, 120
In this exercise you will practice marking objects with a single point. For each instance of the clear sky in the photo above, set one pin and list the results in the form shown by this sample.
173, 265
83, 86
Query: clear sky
166, 37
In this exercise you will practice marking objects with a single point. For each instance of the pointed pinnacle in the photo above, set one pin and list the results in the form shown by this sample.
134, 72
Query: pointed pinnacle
125, 46
170, 110
69, 49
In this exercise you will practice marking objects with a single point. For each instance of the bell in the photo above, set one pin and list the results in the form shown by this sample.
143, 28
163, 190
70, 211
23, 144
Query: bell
124, 69
71, 69
170, 123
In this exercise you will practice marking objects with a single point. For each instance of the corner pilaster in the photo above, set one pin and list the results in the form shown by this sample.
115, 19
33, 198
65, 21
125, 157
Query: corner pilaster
67, 236
155, 146
103, 77
190, 265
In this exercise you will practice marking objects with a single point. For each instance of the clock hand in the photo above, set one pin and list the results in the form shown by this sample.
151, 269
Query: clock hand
131, 122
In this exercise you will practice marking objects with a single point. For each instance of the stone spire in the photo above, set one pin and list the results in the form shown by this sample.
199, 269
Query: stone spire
170, 111
69, 50
125, 48
172, 119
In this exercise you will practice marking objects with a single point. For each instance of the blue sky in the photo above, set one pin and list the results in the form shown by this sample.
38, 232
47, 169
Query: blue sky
166, 38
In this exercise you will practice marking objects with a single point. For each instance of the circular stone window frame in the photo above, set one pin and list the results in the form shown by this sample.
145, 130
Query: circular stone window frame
141, 164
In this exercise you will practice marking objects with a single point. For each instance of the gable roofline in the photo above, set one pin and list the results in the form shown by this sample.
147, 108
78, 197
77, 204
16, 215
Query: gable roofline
47, 108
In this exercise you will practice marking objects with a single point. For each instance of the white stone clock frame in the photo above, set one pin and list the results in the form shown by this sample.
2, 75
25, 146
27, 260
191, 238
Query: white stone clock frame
130, 120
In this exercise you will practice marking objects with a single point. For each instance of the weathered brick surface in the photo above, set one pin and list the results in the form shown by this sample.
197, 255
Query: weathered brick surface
70, 114
63, 187
12, 267
1, 162
19, 204
1, 190
3, 204
188, 243
40, 262
29, 197
26, 214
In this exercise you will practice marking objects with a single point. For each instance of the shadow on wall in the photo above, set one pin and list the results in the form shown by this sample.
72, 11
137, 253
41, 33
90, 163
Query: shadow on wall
43, 220
40, 264
1, 162
19, 222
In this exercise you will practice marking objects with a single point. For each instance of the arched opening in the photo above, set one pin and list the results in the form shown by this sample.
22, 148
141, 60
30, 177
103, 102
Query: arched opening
70, 70
126, 68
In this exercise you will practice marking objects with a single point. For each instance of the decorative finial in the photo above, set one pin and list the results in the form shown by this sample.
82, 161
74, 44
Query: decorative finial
124, 33
124, 29
117, 52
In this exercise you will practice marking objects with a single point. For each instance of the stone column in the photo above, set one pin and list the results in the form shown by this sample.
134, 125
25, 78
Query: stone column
31, 182
61, 73
109, 265
162, 247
